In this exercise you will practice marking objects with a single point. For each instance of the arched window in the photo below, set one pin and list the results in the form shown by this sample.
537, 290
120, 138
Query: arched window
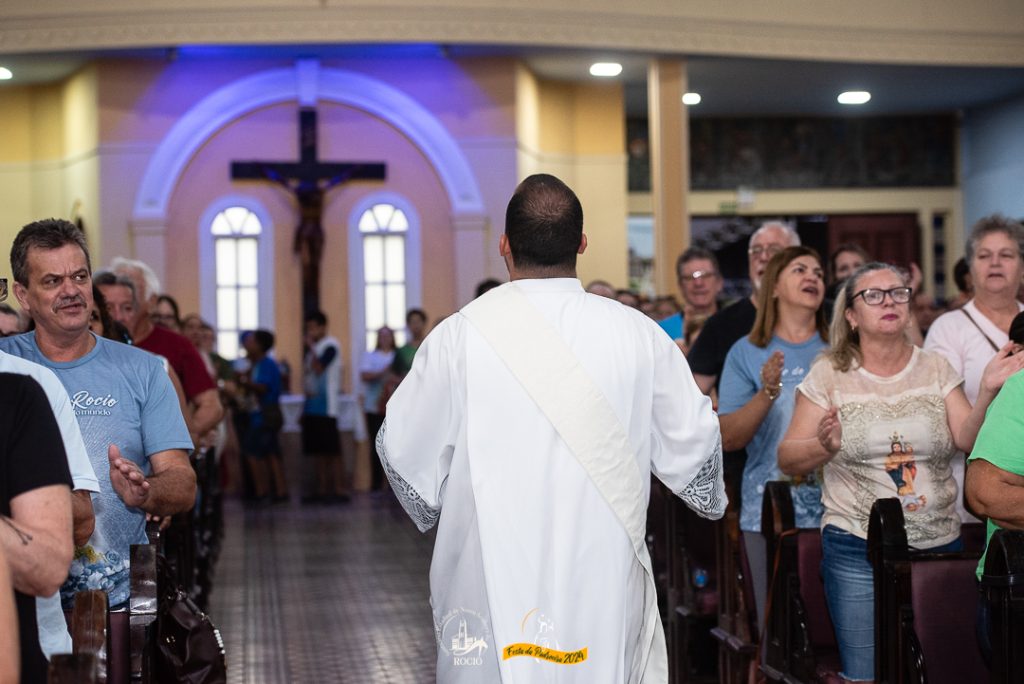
384, 227
385, 273
235, 270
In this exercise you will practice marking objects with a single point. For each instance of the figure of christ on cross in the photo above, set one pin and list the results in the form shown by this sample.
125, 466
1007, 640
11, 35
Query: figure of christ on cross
309, 180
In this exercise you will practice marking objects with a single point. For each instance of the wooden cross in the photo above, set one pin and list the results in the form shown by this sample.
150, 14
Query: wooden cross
308, 179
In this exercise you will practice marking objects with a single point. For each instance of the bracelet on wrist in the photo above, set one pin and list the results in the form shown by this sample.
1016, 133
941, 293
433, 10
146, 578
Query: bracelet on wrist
772, 391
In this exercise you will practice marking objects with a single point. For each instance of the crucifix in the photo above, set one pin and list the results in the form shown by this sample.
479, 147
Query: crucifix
308, 179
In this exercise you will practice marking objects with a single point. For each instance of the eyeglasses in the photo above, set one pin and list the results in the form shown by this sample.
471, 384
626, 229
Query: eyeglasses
698, 275
874, 297
3, 289
769, 250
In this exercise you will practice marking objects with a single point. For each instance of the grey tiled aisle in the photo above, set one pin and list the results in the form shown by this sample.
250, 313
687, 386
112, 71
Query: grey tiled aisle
324, 594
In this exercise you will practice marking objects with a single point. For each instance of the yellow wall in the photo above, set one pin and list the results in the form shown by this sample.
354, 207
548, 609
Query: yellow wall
49, 155
80, 122
577, 132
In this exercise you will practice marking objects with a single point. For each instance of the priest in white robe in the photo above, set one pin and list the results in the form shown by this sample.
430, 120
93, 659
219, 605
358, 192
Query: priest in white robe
527, 431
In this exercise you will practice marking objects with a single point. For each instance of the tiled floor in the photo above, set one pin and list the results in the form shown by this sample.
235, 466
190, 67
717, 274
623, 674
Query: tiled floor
324, 594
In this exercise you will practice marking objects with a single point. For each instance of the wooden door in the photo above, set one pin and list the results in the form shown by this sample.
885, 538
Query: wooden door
890, 238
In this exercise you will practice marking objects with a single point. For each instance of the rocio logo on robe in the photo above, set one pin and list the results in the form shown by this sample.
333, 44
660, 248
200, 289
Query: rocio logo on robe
464, 635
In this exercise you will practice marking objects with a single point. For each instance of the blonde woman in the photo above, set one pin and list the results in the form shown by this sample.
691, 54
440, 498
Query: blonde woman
884, 418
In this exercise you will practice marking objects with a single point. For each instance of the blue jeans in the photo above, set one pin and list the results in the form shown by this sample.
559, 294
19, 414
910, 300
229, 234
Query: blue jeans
850, 594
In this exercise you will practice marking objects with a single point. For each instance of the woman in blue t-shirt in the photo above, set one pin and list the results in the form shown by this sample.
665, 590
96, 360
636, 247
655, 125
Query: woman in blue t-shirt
756, 395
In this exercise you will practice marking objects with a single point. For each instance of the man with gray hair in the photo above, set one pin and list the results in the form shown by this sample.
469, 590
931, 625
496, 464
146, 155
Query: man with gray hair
125, 405
736, 320
199, 387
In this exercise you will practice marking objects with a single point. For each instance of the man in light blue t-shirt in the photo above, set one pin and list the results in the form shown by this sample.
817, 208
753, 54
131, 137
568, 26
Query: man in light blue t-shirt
125, 404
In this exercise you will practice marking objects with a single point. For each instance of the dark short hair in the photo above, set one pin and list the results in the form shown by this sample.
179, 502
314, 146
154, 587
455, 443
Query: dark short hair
485, 286
264, 338
47, 234
544, 223
105, 278
695, 253
415, 312
317, 317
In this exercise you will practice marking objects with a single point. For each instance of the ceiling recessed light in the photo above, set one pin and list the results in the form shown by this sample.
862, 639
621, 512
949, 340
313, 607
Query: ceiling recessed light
691, 98
5, 74
854, 97
605, 69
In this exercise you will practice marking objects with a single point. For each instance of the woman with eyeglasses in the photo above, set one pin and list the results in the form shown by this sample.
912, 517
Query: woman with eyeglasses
755, 402
884, 418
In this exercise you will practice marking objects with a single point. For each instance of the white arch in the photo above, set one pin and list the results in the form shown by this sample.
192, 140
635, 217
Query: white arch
305, 83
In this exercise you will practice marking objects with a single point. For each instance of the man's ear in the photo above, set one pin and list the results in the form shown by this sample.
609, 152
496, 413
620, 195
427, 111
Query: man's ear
503, 249
583, 244
22, 296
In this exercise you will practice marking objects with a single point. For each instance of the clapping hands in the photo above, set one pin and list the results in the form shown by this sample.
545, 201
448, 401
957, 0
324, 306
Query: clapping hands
127, 479
830, 431
771, 371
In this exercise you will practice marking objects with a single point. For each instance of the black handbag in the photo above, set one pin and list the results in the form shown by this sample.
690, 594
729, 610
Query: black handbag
189, 647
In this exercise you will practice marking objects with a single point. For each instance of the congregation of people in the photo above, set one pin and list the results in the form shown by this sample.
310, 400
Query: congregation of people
134, 389
859, 389
844, 378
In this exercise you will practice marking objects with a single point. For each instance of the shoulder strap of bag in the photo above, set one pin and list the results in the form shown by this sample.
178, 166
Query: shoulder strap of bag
987, 338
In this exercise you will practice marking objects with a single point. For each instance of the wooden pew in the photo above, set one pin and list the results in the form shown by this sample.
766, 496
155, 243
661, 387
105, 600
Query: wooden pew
1003, 586
925, 606
207, 522
72, 668
657, 543
192, 541
142, 611
799, 644
737, 628
90, 629
121, 643
691, 600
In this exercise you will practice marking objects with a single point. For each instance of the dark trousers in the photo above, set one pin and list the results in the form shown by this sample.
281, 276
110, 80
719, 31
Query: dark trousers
373, 423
